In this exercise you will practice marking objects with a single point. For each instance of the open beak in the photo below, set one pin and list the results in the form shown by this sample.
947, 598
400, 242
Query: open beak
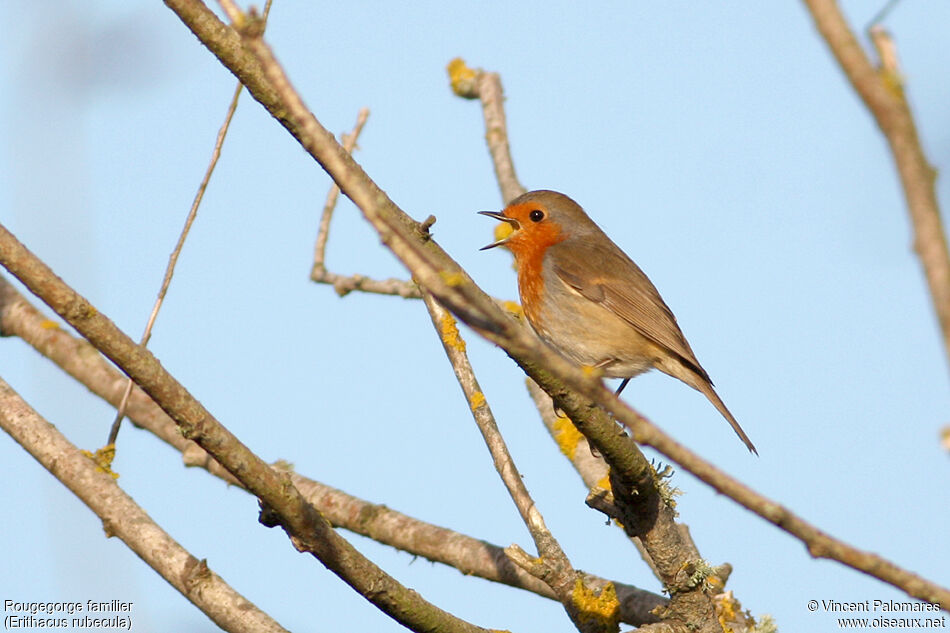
502, 218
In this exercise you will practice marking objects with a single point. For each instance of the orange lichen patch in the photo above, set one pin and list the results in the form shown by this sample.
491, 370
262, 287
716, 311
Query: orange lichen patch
450, 333
604, 482
49, 325
477, 400
103, 459
462, 78
567, 436
603, 607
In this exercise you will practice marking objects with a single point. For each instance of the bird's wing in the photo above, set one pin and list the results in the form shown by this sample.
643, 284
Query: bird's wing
624, 289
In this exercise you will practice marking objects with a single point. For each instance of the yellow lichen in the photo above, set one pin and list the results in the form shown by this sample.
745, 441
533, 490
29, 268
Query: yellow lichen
49, 325
603, 608
604, 482
732, 617
450, 333
452, 279
478, 399
513, 308
567, 436
103, 459
893, 81
462, 78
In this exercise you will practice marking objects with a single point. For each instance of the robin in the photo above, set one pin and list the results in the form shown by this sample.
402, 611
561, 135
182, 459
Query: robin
590, 302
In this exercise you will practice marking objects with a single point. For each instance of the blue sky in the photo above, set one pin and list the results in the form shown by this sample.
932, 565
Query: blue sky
720, 146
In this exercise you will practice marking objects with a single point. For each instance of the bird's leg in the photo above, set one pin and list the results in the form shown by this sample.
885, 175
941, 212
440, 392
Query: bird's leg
622, 385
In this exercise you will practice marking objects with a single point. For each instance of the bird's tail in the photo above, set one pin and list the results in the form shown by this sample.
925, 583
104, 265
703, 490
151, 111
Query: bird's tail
707, 390
704, 386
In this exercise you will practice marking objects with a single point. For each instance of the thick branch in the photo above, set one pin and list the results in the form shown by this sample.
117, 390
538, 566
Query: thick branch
123, 518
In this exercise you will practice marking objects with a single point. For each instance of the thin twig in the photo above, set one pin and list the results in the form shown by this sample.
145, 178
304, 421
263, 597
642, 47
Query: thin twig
232, 11
551, 565
485, 86
454, 346
123, 518
882, 14
320, 248
173, 259
883, 93
469, 555
345, 284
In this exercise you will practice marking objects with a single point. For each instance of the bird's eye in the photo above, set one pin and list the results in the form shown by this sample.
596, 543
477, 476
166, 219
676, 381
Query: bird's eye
536, 216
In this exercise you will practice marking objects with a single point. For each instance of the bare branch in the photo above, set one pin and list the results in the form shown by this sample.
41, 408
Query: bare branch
454, 347
551, 565
173, 259
123, 518
883, 93
471, 556
309, 531
320, 248
485, 86
345, 284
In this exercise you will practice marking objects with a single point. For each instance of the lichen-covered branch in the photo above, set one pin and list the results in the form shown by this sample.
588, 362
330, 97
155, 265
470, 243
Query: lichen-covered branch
551, 565
486, 87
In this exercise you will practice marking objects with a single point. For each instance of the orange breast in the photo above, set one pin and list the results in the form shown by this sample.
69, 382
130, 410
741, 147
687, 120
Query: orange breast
529, 246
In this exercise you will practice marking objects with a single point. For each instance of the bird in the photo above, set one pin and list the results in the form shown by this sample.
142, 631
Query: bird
588, 300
